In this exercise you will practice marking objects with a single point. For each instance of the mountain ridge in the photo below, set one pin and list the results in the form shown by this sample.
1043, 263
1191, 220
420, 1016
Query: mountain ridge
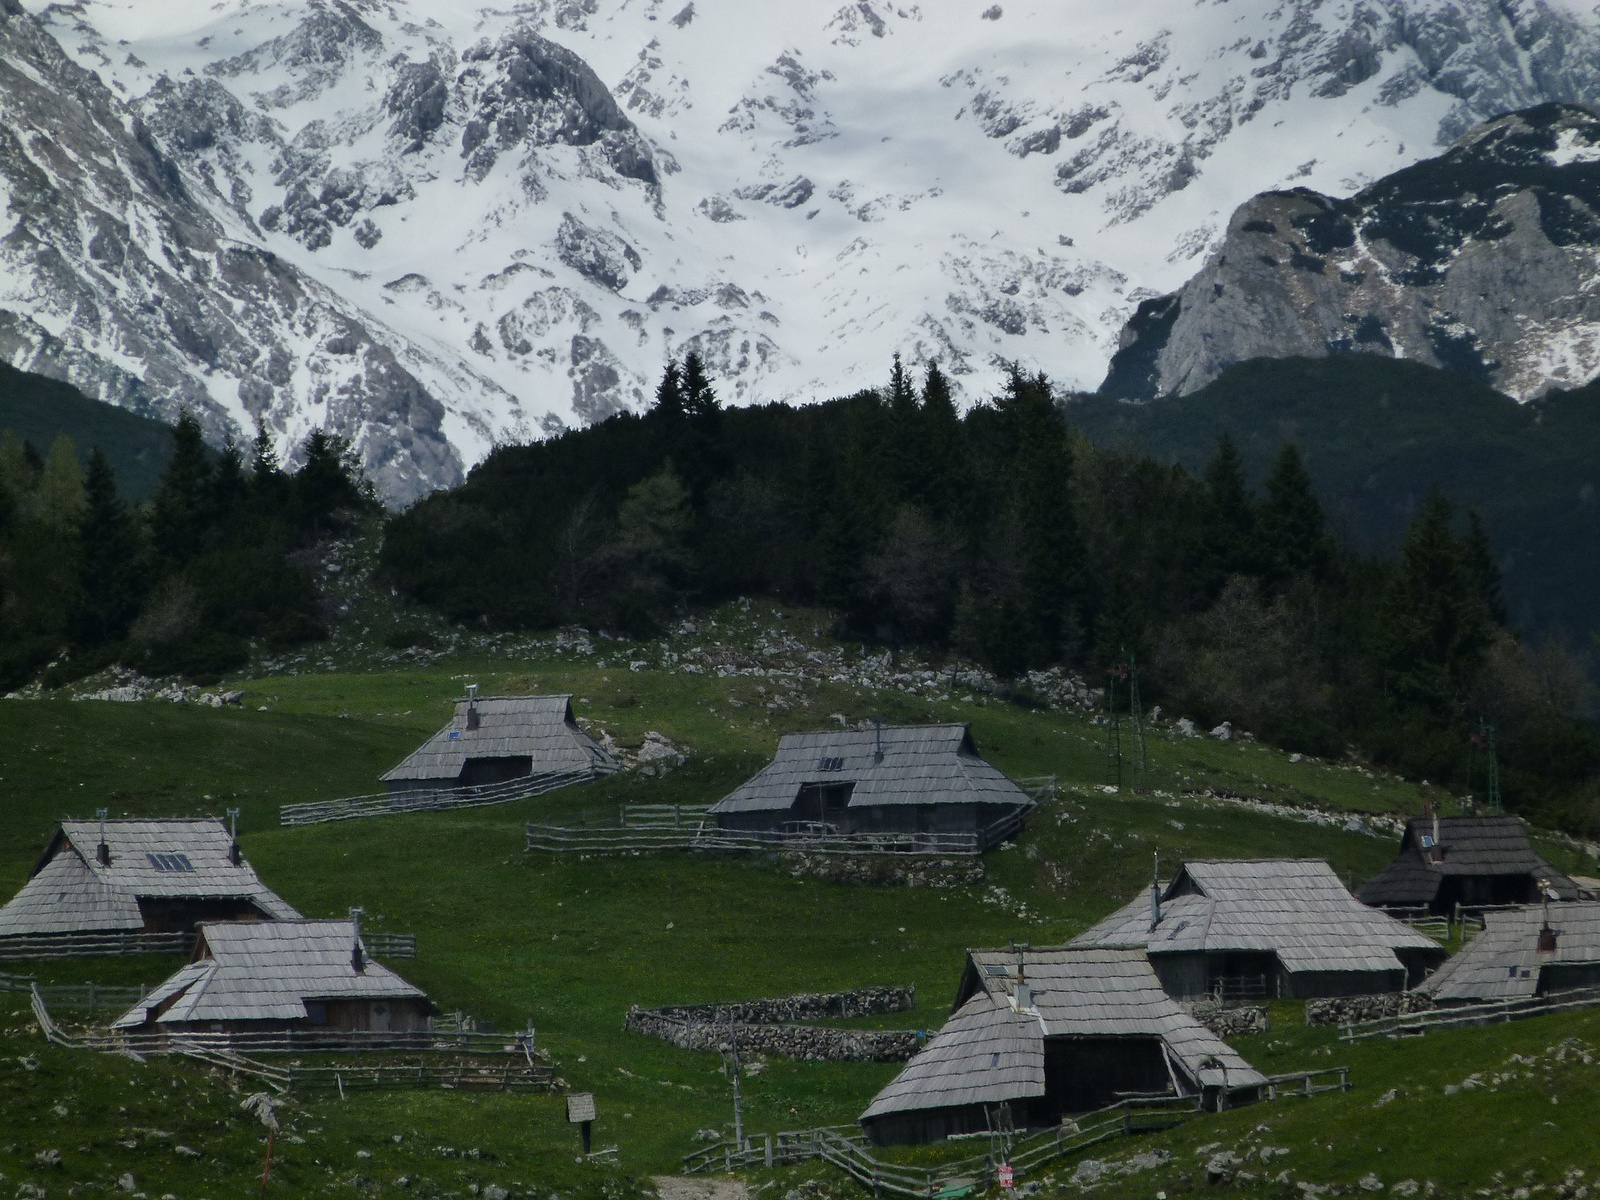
474, 227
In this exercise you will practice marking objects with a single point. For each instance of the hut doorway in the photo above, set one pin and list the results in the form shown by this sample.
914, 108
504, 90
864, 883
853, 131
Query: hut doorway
480, 772
1085, 1073
824, 803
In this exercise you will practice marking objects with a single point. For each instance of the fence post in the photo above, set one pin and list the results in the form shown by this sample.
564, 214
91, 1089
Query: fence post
769, 1150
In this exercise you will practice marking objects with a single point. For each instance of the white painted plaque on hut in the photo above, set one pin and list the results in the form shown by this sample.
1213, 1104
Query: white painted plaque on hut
580, 1107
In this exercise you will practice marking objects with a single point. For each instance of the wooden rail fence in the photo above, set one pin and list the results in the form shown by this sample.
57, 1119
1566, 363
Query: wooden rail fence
1468, 1015
380, 804
644, 828
452, 1059
848, 1149
37, 947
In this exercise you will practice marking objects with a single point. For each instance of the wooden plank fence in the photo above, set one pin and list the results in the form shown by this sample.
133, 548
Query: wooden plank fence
380, 804
1468, 1015
37, 947
847, 1148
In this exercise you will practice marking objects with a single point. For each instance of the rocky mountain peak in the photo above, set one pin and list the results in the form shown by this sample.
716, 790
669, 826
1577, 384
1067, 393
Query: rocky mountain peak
1483, 260
515, 215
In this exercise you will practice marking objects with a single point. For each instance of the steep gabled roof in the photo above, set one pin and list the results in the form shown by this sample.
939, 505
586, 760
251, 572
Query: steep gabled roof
1503, 962
990, 1051
538, 727
72, 891
266, 971
918, 764
1433, 849
1295, 908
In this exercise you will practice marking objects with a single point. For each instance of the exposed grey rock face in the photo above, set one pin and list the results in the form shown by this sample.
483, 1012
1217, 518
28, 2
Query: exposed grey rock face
1483, 261
117, 278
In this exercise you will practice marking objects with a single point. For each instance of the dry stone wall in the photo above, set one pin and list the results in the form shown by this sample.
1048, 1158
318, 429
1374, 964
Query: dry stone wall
1348, 1010
766, 1026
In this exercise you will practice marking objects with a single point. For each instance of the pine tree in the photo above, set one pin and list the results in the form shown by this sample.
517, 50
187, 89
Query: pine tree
1294, 532
329, 482
111, 587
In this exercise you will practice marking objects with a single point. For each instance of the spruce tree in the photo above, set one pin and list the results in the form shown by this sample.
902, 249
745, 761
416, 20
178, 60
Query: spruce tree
941, 439
1231, 539
61, 485
111, 578
1294, 532
1484, 570
669, 393
180, 514
1436, 626
699, 397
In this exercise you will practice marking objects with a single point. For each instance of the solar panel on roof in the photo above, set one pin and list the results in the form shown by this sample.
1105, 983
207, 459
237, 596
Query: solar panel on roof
170, 862
832, 764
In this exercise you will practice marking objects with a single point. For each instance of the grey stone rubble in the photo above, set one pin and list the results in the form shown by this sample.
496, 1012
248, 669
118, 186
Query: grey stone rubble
938, 873
1228, 1022
756, 1024
1346, 1010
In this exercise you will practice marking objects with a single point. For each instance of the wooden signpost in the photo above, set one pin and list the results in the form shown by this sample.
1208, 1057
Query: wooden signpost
580, 1111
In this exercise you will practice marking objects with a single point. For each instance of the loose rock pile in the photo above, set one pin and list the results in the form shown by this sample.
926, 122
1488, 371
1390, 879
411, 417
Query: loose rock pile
1348, 1010
1228, 1022
757, 1024
885, 872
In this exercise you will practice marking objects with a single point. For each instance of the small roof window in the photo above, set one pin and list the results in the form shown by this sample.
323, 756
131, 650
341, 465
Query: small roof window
170, 862
832, 764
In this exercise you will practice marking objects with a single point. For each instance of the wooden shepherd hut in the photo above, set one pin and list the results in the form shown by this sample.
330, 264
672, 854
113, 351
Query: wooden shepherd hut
1254, 928
1468, 861
1523, 953
283, 975
496, 739
878, 779
1049, 1033
132, 876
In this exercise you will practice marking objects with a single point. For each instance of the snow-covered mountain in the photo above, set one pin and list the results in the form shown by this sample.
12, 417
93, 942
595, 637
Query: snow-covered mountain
434, 227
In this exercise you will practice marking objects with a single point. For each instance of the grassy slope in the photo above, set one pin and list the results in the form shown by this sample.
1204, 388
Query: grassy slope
569, 943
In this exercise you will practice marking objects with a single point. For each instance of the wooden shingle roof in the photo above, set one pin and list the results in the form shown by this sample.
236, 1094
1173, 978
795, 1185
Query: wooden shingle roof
1503, 962
1433, 849
991, 1051
267, 971
72, 891
1295, 908
541, 728
897, 764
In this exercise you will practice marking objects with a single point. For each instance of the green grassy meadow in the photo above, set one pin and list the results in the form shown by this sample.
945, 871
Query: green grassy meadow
569, 942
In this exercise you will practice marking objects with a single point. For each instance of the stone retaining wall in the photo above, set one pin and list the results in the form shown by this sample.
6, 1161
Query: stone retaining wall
1348, 1010
765, 1026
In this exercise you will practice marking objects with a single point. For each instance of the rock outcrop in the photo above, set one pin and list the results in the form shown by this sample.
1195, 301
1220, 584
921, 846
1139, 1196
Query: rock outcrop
1485, 261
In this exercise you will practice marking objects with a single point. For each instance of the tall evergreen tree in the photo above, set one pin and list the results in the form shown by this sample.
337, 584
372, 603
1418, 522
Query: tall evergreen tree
669, 393
1436, 626
941, 440
111, 587
1294, 532
180, 513
61, 485
699, 397
1231, 538
1484, 570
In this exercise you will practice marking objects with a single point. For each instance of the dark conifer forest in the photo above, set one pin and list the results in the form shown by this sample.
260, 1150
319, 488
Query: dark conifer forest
1001, 535
1004, 535
186, 583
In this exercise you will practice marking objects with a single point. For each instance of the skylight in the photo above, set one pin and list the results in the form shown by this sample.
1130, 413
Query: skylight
170, 862
833, 764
